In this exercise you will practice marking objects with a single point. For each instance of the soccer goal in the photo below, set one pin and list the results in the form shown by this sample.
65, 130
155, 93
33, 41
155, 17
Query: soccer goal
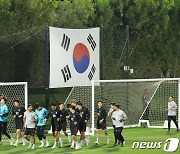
143, 100
14, 90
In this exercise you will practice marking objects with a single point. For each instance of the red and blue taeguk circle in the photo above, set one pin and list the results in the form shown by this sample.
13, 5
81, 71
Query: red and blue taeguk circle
81, 57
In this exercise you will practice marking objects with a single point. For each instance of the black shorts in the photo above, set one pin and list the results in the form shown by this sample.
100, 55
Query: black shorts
19, 124
55, 127
62, 126
29, 131
101, 126
82, 127
4, 127
74, 129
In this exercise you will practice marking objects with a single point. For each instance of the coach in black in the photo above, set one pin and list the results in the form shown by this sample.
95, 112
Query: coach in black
101, 122
18, 113
84, 116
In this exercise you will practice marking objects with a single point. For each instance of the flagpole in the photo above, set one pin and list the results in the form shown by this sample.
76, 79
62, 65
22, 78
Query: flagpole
127, 64
46, 65
101, 53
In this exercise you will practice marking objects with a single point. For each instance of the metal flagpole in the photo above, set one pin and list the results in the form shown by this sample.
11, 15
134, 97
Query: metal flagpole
46, 66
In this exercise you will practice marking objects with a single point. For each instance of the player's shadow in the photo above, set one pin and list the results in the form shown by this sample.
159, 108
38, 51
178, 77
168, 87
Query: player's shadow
96, 146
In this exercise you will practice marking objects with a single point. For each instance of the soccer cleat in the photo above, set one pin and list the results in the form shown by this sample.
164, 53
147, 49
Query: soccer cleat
107, 140
97, 142
115, 143
168, 131
11, 141
77, 146
33, 146
72, 146
42, 144
16, 144
123, 144
30, 144
69, 139
0, 143
54, 146
47, 143
177, 129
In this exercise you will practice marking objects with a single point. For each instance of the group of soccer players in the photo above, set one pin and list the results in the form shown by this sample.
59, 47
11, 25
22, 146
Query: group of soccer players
76, 113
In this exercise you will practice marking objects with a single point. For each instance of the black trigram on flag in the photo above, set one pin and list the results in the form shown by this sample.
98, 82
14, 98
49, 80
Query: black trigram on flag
91, 73
65, 42
66, 73
91, 41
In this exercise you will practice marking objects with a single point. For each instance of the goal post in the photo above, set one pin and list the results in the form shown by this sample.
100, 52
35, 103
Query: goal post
13, 91
143, 100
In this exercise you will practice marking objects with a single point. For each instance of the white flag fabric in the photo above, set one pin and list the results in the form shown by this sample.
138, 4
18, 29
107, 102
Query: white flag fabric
74, 57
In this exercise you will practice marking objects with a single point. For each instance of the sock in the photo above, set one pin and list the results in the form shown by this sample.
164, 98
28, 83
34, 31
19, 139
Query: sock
97, 139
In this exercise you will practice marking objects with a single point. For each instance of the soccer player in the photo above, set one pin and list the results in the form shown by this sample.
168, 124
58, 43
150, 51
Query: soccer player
84, 116
111, 110
119, 116
74, 118
172, 107
3, 119
74, 103
42, 115
30, 120
62, 121
101, 122
18, 113
54, 114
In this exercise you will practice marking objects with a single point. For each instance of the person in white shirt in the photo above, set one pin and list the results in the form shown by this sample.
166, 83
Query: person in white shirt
30, 120
119, 116
172, 107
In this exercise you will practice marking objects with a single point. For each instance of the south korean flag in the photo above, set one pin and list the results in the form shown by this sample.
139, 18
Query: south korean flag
74, 57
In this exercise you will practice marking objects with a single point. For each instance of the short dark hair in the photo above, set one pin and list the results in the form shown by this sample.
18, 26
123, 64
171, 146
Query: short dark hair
117, 105
72, 107
100, 101
112, 103
16, 100
68, 105
29, 105
5, 99
172, 96
79, 103
53, 104
36, 106
61, 103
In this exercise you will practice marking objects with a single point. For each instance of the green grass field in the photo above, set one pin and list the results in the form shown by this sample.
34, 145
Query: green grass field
131, 135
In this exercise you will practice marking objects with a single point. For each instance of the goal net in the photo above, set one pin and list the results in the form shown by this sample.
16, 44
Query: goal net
14, 90
143, 100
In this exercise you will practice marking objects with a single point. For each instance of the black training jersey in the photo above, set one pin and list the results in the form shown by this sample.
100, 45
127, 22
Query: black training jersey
74, 117
62, 115
54, 114
102, 114
17, 111
84, 114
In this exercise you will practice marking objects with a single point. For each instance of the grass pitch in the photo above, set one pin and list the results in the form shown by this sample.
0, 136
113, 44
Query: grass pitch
131, 135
